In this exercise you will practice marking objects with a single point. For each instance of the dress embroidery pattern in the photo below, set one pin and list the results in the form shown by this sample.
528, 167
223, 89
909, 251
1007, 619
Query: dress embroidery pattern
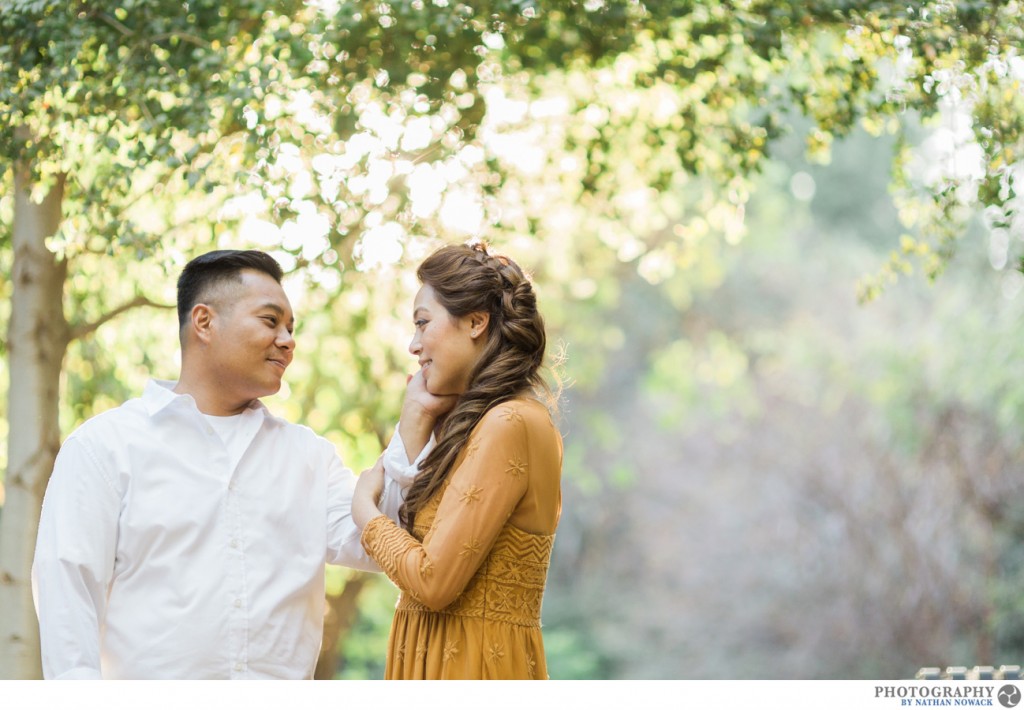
511, 414
506, 599
516, 467
508, 586
450, 651
470, 548
471, 494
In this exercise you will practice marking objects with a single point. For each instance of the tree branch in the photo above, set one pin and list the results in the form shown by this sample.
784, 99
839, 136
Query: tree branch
115, 24
127, 32
83, 329
183, 36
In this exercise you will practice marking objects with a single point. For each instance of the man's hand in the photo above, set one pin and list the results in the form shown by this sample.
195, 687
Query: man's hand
369, 487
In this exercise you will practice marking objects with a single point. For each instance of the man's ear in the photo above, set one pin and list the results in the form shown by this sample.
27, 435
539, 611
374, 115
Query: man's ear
478, 322
202, 322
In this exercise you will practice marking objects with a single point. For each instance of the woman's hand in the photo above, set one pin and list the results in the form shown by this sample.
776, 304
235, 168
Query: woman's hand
421, 412
369, 487
433, 406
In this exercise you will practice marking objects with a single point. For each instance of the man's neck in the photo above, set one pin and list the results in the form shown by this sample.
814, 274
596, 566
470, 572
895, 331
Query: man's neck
209, 400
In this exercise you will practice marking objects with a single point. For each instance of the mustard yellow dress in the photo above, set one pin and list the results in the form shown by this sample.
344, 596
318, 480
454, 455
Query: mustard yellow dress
472, 575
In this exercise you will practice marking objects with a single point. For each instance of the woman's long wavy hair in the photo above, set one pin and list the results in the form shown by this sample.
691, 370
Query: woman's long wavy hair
467, 279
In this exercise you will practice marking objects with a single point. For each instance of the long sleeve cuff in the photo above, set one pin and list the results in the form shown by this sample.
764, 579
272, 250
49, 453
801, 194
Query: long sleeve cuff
396, 461
387, 544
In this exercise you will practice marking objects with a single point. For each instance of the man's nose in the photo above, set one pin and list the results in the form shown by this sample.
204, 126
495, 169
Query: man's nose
285, 340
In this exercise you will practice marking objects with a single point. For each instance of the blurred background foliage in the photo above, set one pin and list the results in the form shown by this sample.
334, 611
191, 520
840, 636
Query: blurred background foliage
770, 472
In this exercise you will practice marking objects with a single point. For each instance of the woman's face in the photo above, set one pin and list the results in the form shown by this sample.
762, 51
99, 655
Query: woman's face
447, 348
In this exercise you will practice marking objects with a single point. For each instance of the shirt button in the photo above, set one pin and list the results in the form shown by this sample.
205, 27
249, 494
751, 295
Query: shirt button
239, 667
234, 543
238, 603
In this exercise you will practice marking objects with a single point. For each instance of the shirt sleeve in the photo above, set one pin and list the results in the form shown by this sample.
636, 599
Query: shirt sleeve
74, 562
343, 546
481, 494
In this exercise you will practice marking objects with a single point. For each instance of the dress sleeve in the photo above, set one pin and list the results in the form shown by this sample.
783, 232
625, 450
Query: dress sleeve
74, 562
481, 494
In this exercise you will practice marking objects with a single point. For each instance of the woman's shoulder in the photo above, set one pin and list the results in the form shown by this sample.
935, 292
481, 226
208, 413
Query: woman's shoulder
519, 413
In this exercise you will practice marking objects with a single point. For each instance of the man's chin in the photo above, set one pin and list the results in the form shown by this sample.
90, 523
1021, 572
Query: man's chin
271, 388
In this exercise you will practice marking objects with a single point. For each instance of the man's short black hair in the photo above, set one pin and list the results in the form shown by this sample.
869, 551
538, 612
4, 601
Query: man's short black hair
214, 268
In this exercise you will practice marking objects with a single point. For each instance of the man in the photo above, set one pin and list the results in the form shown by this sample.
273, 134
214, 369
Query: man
184, 533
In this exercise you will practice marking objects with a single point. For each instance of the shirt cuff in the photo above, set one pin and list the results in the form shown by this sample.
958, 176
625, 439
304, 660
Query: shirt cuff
81, 673
396, 461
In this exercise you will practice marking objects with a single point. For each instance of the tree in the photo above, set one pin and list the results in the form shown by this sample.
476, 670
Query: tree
90, 103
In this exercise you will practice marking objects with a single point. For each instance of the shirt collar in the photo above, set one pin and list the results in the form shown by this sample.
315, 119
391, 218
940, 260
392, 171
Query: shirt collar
160, 394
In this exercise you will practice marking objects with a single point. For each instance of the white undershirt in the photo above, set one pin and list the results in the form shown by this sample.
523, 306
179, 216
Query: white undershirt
233, 432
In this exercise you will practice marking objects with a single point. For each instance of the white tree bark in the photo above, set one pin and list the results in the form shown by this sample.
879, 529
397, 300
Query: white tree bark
37, 339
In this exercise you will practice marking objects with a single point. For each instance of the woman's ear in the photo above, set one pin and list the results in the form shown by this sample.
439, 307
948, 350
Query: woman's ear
478, 323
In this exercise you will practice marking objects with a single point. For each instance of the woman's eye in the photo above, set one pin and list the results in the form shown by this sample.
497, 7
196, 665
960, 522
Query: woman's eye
419, 323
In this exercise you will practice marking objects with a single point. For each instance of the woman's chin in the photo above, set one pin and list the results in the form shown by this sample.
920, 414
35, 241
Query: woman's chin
440, 390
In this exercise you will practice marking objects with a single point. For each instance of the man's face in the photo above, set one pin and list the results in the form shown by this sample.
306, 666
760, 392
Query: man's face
251, 341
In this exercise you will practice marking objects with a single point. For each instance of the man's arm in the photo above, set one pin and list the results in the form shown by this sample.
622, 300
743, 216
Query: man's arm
74, 562
412, 441
343, 545
382, 488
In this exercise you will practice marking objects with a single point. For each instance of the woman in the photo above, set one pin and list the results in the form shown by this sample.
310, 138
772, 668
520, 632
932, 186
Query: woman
479, 519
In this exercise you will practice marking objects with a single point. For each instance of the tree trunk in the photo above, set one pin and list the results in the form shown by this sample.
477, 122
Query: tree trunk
339, 617
37, 339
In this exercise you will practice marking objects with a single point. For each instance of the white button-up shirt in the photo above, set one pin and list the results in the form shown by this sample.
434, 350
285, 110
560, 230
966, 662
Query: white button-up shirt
158, 558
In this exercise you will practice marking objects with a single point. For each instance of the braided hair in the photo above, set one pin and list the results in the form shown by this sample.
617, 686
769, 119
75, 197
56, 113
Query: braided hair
467, 279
